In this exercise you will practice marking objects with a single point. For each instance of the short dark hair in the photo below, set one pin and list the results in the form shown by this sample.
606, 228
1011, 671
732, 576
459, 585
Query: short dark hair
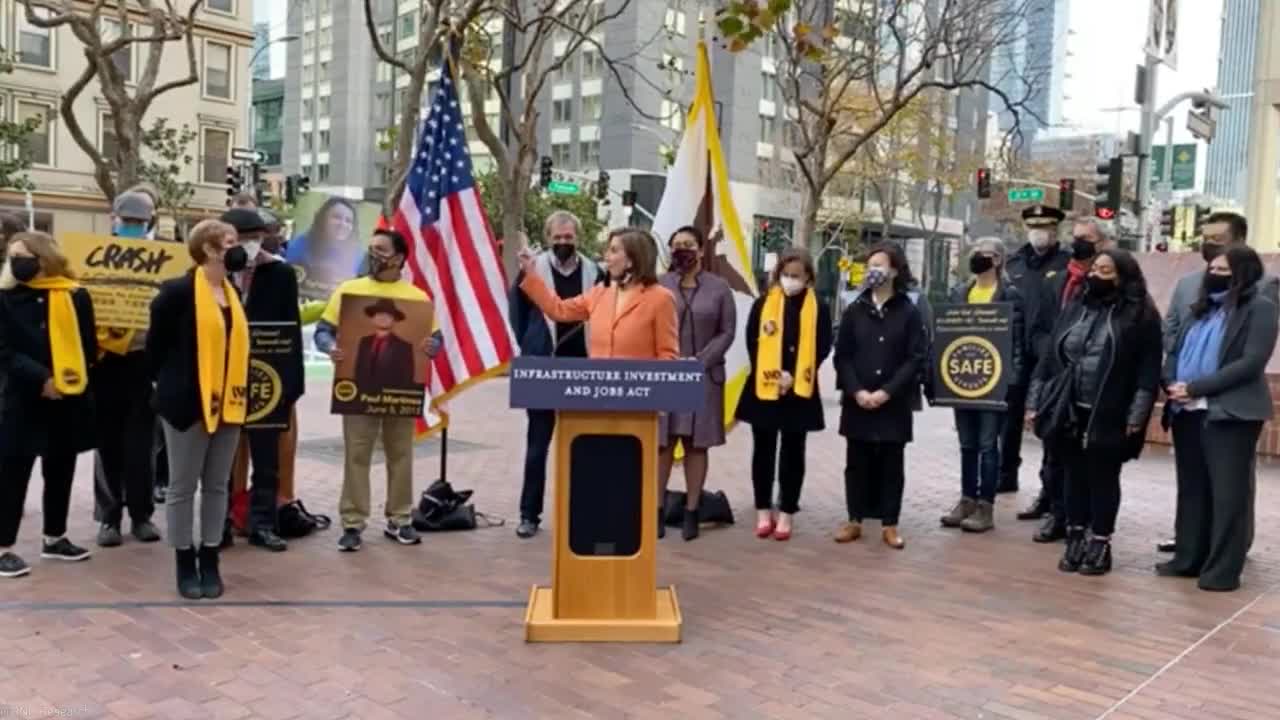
691, 230
398, 242
641, 250
789, 255
897, 261
1235, 221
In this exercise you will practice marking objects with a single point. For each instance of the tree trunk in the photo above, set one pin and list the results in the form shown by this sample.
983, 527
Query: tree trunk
810, 203
513, 204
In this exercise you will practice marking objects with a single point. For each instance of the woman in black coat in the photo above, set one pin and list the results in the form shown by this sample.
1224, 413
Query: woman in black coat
788, 338
1219, 399
879, 354
47, 342
1109, 341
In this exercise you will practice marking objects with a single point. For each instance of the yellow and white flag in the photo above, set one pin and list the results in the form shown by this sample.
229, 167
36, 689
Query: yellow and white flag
698, 194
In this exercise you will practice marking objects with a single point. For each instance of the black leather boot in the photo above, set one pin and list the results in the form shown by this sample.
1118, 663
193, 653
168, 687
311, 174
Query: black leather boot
1097, 557
689, 528
210, 578
188, 575
1074, 554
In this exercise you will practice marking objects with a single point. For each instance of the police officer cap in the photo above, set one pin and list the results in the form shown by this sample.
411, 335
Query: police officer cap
1041, 215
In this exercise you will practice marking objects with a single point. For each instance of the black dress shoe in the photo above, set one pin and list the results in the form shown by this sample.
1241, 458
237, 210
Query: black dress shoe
268, 540
1035, 510
1166, 546
1050, 530
527, 528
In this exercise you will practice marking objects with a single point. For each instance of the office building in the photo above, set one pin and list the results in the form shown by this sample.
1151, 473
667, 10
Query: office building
66, 197
261, 56
1229, 151
1033, 66
268, 122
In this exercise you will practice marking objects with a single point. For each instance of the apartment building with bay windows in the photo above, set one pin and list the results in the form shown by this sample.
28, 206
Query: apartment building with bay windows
46, 62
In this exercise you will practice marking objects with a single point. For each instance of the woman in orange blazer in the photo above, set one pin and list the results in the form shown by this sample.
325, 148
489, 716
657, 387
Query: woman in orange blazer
632, 318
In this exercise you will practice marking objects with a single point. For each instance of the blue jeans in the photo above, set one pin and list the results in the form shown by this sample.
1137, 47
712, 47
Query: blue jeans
979, 432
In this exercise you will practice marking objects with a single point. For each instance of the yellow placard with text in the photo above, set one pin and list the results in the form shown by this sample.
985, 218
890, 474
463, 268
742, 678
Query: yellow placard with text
122, 275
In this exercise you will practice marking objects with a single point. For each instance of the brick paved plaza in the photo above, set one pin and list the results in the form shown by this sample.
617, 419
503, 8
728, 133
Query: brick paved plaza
953, 627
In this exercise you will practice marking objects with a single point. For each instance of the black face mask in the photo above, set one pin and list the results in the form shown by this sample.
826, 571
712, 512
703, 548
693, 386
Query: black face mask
979, 264
1212, 283
1209, 251
683, 259
564, 251
1101, 288
1083, 250
25, 269
235, 259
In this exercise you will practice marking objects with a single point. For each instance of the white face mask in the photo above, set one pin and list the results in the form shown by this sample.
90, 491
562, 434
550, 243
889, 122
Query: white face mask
790, 285
1040, 239
252, 248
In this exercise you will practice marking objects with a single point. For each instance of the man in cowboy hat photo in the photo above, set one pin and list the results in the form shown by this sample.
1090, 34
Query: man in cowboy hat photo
384, 359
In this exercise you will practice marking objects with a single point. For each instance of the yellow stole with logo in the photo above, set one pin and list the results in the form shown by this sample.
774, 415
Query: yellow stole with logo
70, 370
769, 346
223, 370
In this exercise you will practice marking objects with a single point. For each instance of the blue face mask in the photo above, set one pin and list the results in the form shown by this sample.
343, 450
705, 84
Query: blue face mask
130, 230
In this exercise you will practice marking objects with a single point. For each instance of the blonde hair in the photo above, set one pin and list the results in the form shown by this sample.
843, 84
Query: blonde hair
206, 232
45, 249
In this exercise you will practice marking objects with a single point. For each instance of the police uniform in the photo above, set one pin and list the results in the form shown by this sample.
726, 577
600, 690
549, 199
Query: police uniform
1028, 270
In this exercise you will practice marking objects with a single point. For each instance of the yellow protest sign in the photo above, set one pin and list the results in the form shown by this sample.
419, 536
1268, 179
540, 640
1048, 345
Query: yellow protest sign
122, 275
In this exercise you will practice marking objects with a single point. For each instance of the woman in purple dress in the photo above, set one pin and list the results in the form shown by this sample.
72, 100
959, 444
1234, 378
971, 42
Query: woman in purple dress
708, 321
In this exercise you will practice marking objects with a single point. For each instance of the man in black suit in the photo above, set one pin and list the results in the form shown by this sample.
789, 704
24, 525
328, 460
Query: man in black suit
383, 358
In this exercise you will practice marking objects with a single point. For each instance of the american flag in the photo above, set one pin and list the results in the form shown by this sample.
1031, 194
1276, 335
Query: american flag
452, 254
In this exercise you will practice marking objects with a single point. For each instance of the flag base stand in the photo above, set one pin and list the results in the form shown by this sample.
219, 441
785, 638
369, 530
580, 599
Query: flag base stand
541, 625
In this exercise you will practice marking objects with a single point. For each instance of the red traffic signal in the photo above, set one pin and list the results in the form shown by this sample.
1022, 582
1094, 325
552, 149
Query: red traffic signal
1104, 213
984, 183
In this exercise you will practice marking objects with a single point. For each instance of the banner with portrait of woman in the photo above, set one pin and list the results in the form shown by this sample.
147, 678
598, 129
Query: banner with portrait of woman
329, 240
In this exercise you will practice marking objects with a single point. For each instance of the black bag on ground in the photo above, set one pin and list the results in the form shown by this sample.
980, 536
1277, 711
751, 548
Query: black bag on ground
294, 521
443, 508
713, 507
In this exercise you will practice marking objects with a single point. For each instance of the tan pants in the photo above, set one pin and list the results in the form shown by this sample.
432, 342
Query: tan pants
288, 455
361, 433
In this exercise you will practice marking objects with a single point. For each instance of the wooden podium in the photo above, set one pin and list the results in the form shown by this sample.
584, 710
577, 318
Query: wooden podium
604, 569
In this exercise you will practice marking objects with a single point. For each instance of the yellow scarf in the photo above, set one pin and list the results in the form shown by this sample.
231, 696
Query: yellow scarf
70, 371
223, 372
769, 346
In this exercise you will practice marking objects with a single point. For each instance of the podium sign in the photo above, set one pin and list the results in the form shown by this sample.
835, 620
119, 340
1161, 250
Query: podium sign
972, 347
604, 572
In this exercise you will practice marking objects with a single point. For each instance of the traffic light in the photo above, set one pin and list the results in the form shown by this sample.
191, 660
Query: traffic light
544, 171
1066, 194
290, 189
602, 187
984, 183
1109, 187
258, 185
1202, 215
1167, 220
234, 183
628, 198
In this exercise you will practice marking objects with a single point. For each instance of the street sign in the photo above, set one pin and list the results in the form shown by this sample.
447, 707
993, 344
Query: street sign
560, 187
1184, 166
1026, 195
1202, 125
248, 155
